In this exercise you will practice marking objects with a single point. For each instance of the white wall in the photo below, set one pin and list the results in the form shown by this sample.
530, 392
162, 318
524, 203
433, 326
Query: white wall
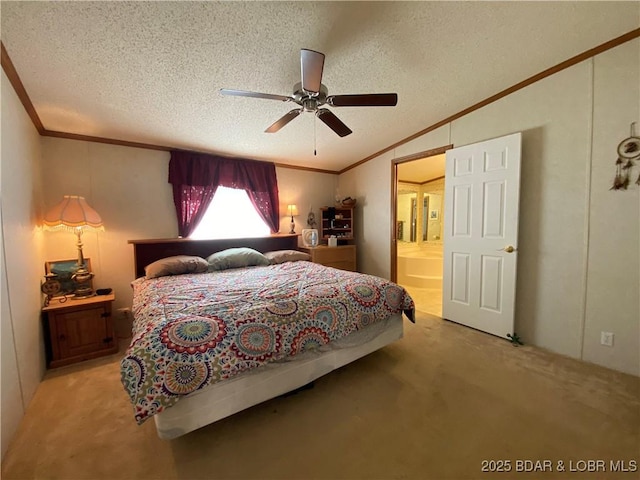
129, 188
22, 354
370, 185
579, 242
555, 152
613, 282
308, 190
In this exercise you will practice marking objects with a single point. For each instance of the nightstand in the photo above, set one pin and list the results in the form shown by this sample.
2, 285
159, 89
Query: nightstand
78, 330
342, 256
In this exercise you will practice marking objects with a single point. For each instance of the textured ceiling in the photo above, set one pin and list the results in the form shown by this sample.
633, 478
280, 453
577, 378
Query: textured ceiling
151, 72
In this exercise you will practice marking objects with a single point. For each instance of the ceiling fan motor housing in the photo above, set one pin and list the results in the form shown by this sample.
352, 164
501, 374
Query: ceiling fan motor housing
309, 101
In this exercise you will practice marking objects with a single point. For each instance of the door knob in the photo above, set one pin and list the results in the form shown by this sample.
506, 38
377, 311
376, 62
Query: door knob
509, 249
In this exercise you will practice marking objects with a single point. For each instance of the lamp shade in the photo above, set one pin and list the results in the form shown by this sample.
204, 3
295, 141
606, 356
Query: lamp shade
292, 210
72, 212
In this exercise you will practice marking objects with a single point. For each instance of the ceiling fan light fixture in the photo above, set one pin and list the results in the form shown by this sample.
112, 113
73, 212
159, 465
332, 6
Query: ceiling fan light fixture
310, 105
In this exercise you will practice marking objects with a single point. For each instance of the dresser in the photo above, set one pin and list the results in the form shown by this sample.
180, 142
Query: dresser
78, 330
342, 256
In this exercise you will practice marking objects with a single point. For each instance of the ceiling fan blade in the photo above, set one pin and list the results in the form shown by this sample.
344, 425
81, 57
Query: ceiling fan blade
311, 65
245, 93
333, 122
364, 100
283, 120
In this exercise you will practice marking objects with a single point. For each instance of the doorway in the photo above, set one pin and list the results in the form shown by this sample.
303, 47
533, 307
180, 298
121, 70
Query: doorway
417, 253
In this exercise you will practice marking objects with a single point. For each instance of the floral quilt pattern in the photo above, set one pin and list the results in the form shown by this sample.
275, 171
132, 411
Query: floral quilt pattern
193, 330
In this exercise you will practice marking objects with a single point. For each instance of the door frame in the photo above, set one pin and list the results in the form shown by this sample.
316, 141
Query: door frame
393, 271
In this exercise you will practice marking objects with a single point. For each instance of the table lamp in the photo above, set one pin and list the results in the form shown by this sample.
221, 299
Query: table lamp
73, 213
292, 210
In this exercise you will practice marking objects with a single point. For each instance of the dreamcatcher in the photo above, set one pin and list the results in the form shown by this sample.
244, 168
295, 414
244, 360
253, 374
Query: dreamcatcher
628, 153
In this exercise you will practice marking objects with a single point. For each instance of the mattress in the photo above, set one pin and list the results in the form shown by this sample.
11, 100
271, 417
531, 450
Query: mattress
192, 331
253, 387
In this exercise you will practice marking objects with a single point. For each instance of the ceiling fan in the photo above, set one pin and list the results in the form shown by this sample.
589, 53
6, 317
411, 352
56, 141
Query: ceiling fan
310, 94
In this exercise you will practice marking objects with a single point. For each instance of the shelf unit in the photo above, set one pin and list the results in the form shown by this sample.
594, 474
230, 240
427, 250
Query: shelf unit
337, 221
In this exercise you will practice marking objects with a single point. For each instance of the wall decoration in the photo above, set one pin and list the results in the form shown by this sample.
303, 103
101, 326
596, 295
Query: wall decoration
64, 270
628, 154
311, 218
434, 215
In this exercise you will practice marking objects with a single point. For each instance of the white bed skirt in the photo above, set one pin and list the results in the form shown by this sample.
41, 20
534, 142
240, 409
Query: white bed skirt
231, 396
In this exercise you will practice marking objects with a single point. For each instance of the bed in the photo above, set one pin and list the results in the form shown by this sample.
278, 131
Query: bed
234, 331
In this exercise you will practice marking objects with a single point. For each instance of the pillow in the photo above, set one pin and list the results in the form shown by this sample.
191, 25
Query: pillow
175, 266
236, 258
281, 256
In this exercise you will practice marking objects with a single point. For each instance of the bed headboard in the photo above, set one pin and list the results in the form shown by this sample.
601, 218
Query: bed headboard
148, 251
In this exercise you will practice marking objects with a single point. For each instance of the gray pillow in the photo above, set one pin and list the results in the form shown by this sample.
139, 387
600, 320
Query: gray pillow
176, 266
236, 258
281, 256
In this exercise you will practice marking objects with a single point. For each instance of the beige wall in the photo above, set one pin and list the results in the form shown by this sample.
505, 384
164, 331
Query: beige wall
370, 184
22, 354
613, 256
129, 188
579, 242
308, 190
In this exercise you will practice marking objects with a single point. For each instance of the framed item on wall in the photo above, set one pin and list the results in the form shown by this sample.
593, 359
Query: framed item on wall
64, 270
434, 214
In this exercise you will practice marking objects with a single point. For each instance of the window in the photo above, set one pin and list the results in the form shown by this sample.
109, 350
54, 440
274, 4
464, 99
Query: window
230, 215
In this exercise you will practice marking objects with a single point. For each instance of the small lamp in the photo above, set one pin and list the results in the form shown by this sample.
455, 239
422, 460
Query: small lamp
74, 213
292, 210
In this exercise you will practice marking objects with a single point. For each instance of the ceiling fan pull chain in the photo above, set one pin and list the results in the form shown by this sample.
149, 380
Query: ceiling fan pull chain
315, 121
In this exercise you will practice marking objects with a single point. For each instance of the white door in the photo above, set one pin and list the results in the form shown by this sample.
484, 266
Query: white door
482, 189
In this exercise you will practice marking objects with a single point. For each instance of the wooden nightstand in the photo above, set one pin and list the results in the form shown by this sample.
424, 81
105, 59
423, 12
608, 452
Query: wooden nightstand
342, 256
78, 330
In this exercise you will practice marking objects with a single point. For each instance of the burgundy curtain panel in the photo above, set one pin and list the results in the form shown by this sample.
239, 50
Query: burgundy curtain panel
196, 176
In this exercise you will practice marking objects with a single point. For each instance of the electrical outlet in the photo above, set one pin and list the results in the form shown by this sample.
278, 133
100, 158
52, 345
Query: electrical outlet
606, 339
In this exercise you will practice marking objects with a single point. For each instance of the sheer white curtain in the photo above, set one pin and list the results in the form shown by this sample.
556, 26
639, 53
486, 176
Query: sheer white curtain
230, 215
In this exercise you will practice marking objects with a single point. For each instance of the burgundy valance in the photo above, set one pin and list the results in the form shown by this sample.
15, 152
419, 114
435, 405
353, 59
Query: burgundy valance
196, 176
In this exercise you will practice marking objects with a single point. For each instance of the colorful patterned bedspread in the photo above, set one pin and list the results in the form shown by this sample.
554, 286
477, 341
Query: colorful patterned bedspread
193, 330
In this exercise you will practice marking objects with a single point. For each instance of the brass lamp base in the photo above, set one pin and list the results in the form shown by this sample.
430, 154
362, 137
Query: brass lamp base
82, 277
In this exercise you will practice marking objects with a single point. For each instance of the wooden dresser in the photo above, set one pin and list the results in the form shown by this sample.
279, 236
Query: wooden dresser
342, 256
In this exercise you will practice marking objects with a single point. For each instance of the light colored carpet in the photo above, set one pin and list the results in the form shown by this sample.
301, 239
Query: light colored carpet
435, 404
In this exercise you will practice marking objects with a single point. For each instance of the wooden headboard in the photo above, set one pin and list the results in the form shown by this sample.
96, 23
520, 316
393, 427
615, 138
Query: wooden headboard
148, 251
